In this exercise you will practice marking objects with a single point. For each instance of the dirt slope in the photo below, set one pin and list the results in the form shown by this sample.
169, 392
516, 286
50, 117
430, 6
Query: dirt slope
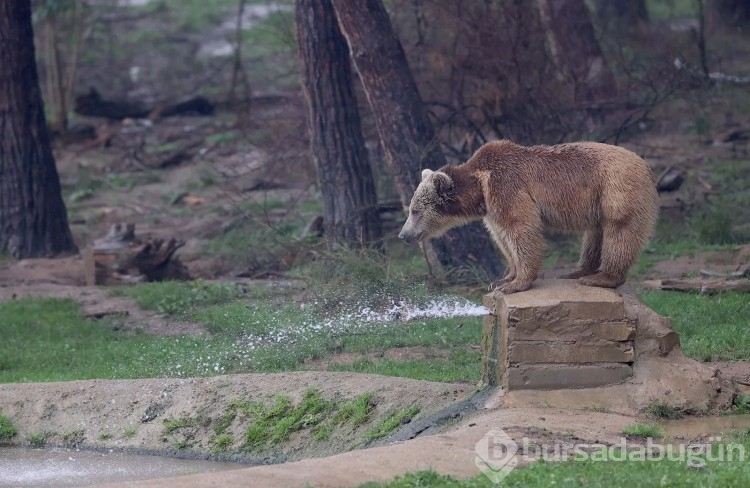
98, 413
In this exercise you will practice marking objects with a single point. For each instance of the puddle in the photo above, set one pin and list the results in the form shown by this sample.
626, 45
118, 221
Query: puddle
21, 467
702, 426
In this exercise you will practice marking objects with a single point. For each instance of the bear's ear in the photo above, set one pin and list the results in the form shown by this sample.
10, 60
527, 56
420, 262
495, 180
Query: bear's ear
426, 173
443, 183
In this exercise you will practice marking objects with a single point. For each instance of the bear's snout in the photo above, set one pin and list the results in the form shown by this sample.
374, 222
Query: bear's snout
409, 237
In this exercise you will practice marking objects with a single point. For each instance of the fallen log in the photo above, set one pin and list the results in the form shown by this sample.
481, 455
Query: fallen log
120, 257
93, 105
702, 286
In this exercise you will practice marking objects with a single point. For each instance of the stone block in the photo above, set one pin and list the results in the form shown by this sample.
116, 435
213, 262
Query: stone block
556, 352
667, 342
567, 330
559, 376
561, 299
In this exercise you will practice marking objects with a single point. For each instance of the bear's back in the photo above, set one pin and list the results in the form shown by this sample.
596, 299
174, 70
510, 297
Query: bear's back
569, 182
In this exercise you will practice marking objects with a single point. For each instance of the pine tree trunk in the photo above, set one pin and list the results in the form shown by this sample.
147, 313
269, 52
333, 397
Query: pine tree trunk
405, 130
351, 215
33, 219
576, 50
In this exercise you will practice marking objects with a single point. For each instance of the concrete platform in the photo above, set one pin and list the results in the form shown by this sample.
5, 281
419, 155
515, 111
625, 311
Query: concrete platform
559, 334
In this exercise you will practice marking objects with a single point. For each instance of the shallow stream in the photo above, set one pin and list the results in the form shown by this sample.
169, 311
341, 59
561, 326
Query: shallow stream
22, 466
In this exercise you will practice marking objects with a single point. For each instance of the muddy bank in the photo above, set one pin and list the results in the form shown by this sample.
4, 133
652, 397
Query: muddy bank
208, 417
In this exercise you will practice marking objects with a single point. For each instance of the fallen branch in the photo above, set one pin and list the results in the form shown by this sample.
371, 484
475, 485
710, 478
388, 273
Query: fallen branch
743, 273
704, 287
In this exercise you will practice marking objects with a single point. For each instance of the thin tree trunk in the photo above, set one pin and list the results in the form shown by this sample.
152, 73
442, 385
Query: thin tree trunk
351, 216
405, 130
33, 219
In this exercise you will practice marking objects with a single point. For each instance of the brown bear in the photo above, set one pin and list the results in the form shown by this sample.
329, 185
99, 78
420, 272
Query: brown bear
605, 192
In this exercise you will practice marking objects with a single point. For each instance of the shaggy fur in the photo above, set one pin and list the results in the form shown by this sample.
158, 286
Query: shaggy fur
605, 192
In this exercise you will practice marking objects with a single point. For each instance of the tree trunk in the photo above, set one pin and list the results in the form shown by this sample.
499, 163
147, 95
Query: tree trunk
405, 130
351, 214
33, 219
576, 51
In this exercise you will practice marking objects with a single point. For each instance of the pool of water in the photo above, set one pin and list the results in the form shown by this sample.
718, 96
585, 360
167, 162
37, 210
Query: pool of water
20, 467
702, 426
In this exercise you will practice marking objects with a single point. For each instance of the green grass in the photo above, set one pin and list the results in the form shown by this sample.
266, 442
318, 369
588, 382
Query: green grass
275, 422
105, 436
355, 411
174, 297
37, 439
389, 424
741, 404
461, 366
222, 442
643, 430
7, 429
711, 328
171, 425
128, 432
662, 410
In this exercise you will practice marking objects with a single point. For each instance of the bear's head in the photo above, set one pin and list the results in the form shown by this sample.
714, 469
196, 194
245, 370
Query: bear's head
429, 214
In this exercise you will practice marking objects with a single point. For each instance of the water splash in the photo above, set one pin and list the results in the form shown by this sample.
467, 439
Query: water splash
437, 308
359, 319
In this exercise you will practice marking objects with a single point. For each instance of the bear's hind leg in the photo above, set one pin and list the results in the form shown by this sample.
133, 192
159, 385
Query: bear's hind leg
620, 247
591, 255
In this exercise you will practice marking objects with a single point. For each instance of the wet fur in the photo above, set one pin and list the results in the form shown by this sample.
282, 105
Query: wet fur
604, 192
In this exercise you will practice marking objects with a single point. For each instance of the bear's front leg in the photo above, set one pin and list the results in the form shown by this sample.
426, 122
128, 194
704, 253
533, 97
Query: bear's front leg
525, 246
510, 267
505, 279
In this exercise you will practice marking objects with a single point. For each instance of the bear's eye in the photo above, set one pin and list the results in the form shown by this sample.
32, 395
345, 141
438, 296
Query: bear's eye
415, 213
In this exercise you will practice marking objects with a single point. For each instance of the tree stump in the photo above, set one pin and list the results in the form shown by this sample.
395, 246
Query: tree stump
120, 257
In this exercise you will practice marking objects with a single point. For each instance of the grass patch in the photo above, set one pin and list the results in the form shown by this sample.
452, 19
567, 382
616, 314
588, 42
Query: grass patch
710, 327
105, 436
741, 404
355, 411
275, 422
174, 297
388, 425
37, 439
462, 366
171, 425
222, 442
662, 410
643, 430
73, 438
128, 432
7, 429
